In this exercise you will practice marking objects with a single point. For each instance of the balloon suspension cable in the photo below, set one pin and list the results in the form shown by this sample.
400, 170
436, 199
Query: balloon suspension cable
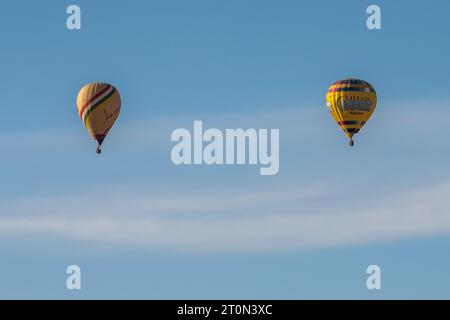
99, 151
351, 143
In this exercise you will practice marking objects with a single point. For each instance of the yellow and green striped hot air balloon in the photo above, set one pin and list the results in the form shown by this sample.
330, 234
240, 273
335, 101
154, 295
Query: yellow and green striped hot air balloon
98, 107
351, 103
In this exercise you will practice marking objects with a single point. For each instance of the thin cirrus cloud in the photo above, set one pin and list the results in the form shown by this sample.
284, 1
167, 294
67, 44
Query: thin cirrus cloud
233, 219
256, 222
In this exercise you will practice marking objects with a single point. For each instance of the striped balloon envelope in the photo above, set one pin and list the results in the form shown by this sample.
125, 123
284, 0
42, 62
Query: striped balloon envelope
98, 107
351, 103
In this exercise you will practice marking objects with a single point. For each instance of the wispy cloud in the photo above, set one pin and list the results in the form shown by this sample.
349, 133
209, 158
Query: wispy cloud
196, 222
237, 218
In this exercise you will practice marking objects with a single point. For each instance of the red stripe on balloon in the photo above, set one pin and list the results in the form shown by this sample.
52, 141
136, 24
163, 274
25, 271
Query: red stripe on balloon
92, 100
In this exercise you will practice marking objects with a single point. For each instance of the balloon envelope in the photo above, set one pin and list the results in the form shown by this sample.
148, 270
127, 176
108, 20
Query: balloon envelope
98, 107
351, 102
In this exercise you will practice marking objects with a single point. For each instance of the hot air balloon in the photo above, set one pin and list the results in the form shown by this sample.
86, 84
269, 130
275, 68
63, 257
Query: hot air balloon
98, 107
351, 103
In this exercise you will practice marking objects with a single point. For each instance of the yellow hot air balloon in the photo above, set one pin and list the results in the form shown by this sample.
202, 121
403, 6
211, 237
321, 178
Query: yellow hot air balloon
98, 107
351, 103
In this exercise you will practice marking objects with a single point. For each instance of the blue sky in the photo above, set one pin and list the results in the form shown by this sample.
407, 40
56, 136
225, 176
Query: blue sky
141, 227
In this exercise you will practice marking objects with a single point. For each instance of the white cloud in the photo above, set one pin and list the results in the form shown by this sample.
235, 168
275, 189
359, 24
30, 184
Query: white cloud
239, 219
255, 221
